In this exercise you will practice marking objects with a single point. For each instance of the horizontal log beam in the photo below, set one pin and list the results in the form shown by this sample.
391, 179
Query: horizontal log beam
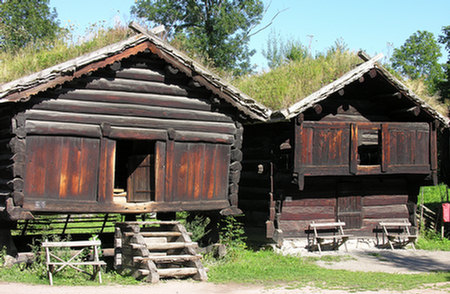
140, 74
396, 95
130, 110
128, 121
57, 128
136, 98
126, 85
415, 111
47, 205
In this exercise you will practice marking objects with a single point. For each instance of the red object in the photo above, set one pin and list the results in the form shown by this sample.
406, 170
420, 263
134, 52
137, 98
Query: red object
446, 212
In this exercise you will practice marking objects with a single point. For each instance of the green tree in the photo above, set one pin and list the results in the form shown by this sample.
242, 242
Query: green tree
444, 86
25, 21
418, 58
217, 30
279, 52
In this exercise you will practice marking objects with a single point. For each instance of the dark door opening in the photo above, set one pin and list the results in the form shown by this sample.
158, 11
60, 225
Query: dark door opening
135, 170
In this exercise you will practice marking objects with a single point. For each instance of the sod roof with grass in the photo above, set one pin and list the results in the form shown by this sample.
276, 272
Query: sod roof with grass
281, 89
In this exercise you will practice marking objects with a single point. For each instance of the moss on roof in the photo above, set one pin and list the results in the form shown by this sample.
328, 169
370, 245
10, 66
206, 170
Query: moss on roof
291, 82
32, 58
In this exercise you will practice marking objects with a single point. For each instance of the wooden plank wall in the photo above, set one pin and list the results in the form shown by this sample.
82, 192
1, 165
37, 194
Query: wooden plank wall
141, 98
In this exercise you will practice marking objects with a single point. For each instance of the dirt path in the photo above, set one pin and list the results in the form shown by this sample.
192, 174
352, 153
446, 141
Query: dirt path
186, 287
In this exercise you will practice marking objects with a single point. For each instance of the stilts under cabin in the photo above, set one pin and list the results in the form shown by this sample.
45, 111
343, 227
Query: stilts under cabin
357, 151
134, 127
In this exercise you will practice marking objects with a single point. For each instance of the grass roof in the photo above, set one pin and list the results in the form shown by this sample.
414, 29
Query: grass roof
36, 57
289, 83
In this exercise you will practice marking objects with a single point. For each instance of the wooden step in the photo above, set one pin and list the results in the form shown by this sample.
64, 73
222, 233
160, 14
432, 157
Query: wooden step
177, 272
151, 240
167, 258
161, 234
155, 234
144, 272
170, 245
143, 223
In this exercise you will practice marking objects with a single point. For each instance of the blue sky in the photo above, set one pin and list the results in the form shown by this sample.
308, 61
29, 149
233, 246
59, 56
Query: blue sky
374, 26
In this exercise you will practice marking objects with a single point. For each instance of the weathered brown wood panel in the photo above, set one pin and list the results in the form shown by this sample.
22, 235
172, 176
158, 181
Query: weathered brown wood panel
307, 212
160, 171
406, 148
200, 172
141, 187
64, 168
343, 148
378, 200
386, 211
349, 210
105, 169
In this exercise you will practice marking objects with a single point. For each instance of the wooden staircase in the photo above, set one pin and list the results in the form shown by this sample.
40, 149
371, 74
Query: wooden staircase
157, 249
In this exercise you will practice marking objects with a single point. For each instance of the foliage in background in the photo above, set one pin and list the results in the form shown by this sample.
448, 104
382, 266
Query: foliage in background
32, 58
295, 80
231, 233
418, 58
432, 194
195, 223
24, 22
217, 30
420, 88
279, 52
444, 86
429, 240
268, 267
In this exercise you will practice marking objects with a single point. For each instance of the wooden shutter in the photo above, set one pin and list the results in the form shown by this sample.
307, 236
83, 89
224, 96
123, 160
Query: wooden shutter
406, 148
197, 171
62, 168
322, 148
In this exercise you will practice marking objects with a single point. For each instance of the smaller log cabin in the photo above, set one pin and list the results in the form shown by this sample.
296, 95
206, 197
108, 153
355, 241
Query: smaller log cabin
356, 150
134, 127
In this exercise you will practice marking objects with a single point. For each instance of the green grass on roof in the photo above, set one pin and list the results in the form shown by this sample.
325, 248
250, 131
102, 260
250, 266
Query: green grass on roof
31, 59
293, 81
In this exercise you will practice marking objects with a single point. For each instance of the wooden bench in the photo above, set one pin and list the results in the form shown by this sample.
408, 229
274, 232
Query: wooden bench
57, 263
398, 234
332, 231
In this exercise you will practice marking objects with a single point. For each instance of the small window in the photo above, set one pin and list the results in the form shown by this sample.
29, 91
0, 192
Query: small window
369, 147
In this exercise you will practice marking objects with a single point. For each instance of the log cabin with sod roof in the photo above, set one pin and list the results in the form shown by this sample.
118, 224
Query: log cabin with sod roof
134, 127
357, 150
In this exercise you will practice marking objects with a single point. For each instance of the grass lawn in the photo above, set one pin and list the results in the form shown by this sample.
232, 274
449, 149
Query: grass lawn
272, 269
253, 267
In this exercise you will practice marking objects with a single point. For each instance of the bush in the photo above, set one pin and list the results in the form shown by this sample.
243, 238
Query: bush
231, 233
430, 240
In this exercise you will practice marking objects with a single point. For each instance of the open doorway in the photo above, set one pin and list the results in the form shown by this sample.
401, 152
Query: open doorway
135, 170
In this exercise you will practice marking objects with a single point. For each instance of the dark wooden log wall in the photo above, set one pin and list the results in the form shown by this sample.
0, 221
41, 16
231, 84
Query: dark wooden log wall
12, 163
360, 202
140, 98
260, 141
336, 183
6, 159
